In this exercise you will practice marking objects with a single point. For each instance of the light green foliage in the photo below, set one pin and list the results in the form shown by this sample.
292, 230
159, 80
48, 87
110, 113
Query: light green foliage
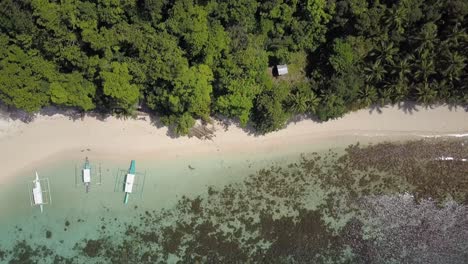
74, 90
188, 95
194, 31
116, 84
358, 7
162, 58
318, 11
343, 57
217, 46
24, 78
239, 100
194, 88
242, 77
55, 22
58, 94
253, 60
48, 15
181, 124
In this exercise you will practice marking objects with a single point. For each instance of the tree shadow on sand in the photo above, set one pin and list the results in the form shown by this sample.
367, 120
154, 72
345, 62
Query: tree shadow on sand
7, 112
376, 108
227, 122
408, 107
156, 121
455, 107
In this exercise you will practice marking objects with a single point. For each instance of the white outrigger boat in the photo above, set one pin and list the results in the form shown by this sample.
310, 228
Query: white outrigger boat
87, 174
129, 181
40, 194
37, 193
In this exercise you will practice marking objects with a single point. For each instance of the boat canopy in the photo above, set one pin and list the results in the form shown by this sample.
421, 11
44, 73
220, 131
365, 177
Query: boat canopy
37, 193
86, 175
129, 180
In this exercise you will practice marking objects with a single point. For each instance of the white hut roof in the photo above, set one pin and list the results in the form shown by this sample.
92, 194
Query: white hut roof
282, 69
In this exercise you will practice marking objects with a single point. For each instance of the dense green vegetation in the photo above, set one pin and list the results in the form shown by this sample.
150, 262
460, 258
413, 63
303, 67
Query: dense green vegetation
191, 59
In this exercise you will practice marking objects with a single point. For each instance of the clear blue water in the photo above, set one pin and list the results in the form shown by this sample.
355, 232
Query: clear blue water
75, 215
329, 207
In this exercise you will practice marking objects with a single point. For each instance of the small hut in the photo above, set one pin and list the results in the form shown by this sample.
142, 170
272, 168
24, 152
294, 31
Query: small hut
282, 69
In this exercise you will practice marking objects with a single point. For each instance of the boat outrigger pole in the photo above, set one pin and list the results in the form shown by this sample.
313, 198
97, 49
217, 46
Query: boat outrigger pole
129, 180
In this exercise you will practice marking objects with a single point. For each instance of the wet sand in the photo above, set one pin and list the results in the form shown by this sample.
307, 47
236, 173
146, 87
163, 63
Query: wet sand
26, 145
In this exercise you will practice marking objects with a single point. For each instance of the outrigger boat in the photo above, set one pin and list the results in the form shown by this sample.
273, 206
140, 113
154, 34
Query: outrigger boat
87, 174
129, 181
37, 193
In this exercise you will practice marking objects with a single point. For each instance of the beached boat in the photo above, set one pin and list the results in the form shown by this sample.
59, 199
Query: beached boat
129, 181
87, 174
37, 193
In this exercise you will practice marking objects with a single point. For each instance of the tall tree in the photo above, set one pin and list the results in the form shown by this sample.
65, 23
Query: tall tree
117, 86
25, 77
238, 102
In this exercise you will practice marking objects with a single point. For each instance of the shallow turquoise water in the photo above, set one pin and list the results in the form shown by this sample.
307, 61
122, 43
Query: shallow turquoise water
328, 207
75, 215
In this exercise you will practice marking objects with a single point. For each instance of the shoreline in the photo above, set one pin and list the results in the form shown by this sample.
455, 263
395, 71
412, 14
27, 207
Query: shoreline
47, 137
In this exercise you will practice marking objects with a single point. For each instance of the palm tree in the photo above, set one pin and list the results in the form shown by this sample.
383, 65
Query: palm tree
400, 90
376, 72
447, 92
367, 95
427, 38
426, 93
455, 64
458, 33
465, 99
298, 103
385, 94
403, 67
314, 102
444, 90
394, 18
426, 67
303, 103
385, 52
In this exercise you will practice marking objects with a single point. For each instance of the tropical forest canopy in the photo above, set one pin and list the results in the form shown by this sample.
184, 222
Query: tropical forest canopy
189, 59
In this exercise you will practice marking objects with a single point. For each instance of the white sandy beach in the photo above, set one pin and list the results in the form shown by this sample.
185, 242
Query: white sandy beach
26, 144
